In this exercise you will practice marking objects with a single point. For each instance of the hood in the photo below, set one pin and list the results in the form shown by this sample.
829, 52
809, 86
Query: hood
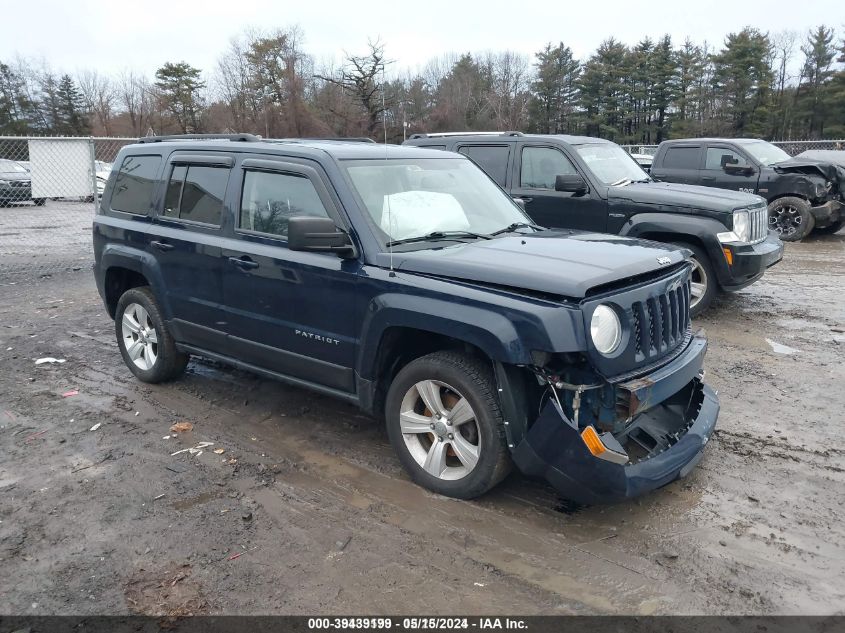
555, 262
828, 169
674, 197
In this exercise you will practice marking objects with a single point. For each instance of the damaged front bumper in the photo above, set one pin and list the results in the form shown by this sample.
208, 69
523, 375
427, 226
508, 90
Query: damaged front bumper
828, 213
673, 416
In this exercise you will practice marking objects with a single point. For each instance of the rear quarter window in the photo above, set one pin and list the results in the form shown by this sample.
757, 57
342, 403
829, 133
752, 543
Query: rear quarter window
135, 184
683, 157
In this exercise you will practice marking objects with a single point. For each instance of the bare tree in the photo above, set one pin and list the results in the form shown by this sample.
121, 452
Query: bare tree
100, 97
360, 76
509, 91
134, 95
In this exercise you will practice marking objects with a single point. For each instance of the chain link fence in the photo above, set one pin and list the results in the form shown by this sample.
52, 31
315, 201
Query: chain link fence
48, 187
793, 148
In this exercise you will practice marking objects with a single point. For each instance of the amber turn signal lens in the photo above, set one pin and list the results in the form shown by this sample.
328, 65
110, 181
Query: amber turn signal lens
729, 256
592, 440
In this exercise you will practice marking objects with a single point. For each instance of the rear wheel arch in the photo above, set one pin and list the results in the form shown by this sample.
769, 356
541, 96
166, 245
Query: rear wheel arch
119, 279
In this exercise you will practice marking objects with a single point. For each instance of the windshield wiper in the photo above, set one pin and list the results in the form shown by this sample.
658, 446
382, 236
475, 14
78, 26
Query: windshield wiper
517, 225
435, 236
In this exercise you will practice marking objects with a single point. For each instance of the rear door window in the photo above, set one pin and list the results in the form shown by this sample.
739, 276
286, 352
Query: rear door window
195, 193
493, 159
134, 184
682, 157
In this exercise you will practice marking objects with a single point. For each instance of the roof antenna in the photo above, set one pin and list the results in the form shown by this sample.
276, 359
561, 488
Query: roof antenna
386, 197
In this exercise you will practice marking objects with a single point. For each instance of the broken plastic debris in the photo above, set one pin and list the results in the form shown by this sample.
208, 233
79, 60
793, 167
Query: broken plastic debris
219, 451
95, 427
195, 450
68, 394
779, 348
49, 359
181, 427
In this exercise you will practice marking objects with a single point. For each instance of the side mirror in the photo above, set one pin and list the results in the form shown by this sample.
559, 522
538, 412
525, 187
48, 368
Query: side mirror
306, 233
738, 170
570, 182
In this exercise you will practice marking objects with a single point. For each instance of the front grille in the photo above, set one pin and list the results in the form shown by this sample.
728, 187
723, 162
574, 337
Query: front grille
22, 184
759, 224
660, 323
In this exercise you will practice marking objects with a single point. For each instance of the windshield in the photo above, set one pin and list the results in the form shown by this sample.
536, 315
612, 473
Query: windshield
11, 166
412, 198
611, 164
766, 153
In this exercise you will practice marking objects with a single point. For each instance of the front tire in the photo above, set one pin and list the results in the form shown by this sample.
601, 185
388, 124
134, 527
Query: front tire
791, 218
147, 347
703, 286
446, 426
39, 202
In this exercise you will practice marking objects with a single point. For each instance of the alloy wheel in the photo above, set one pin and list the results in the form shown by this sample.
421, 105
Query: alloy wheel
139, 336
786, 220
440, 430
698, 283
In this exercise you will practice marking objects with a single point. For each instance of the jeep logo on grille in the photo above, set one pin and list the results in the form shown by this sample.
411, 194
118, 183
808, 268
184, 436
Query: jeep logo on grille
663, 261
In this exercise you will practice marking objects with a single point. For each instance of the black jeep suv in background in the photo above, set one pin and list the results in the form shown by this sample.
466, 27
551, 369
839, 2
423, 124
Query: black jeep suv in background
405, 281
802, 193
587, 183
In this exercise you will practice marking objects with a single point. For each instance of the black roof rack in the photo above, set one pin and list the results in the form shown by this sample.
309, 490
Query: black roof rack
347, 139
446, 134
200, 137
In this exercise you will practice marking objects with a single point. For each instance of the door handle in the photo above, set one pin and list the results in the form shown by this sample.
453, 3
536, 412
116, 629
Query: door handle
708, 177
617, 215
162, 246
522, 199
244, 263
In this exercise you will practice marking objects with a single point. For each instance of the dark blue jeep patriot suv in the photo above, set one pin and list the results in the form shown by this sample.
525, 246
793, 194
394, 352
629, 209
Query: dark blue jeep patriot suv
406, 281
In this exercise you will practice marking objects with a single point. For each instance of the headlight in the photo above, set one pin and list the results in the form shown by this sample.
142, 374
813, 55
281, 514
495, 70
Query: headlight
741, 226
605, 330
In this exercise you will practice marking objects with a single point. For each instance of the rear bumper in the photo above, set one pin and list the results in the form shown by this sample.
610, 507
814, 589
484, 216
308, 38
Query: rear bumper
750, 261
553, 448
828, 213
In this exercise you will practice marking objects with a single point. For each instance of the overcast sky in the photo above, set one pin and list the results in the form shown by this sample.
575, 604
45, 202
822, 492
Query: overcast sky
114, 35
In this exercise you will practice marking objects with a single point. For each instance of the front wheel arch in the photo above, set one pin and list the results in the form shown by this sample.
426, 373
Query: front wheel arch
705, 285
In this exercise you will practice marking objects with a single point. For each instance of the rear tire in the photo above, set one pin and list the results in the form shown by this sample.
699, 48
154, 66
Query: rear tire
704, 286
147, 347
830, 229
446, 426
791, 218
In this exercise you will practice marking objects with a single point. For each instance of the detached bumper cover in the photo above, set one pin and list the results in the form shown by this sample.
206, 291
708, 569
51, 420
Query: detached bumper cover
553, 449
828, 213
750, 261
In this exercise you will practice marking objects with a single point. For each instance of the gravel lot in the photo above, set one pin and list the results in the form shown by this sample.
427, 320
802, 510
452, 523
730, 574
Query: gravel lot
307, 510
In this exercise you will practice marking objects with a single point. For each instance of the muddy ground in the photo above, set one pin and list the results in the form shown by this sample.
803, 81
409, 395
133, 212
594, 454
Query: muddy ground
308, 511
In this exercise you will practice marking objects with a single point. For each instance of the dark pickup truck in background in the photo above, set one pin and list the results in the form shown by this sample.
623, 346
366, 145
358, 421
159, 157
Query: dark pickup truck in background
586, 183
803, 193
